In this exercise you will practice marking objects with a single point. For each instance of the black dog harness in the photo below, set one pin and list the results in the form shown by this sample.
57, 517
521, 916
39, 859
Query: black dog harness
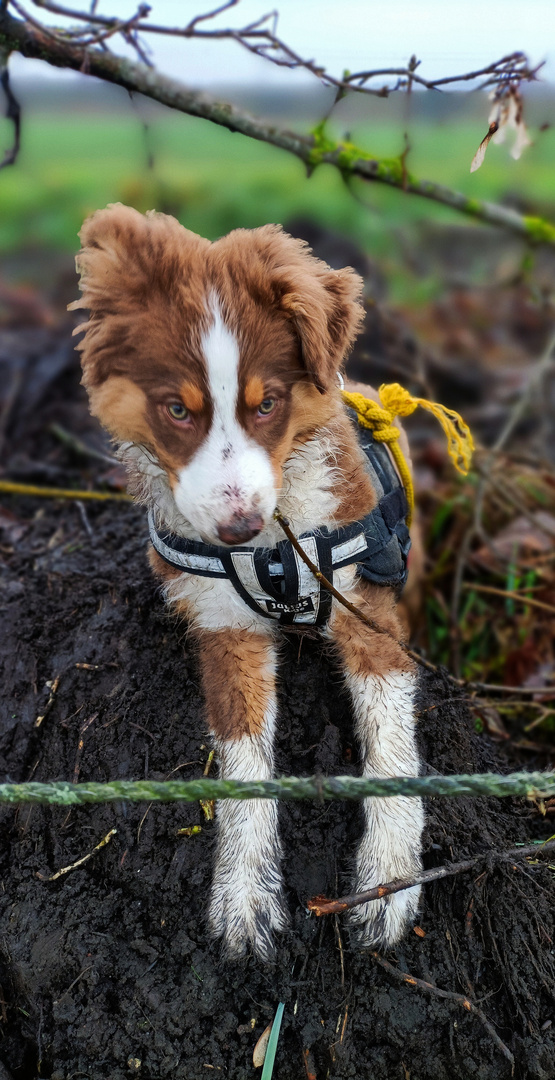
276, 583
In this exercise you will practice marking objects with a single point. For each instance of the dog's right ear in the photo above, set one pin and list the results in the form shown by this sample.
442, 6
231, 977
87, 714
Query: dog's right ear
130, 264
133, 268
126, 256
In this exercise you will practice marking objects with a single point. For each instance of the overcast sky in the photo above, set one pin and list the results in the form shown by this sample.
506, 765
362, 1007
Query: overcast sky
448, 38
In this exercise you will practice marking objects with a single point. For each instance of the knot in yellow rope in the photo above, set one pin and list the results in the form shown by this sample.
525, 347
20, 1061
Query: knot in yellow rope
396, 401
372, 415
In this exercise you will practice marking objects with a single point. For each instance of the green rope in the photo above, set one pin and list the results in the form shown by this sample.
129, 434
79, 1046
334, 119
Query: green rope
532, 784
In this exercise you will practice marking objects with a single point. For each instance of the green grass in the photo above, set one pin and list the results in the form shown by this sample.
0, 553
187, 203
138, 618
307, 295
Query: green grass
215, 181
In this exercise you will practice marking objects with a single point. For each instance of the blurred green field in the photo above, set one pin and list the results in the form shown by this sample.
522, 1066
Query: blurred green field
215, 181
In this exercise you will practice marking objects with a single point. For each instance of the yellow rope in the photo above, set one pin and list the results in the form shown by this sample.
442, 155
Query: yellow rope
396, 401
12, 488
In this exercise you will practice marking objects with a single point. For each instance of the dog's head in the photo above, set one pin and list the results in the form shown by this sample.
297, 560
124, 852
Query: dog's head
215, 357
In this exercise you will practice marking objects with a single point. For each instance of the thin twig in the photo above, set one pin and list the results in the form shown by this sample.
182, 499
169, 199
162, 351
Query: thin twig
471, 586
460, 683
448, 995
321, 905
371, 623
84, 859
526, 691
73, 442
535, 380
191, 27
72, 984
53, 689
544, 715
81, 745
84, 518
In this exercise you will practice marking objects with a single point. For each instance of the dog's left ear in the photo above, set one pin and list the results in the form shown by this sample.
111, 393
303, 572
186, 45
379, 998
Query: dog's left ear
324, 305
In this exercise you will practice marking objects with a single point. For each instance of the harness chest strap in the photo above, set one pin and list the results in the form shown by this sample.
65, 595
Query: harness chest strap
276, 583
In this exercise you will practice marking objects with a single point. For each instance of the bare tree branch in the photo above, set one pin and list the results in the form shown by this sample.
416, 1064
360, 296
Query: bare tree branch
261, 39
59, 49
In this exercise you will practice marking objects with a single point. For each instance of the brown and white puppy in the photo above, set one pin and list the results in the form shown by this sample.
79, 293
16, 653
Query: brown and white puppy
214, 367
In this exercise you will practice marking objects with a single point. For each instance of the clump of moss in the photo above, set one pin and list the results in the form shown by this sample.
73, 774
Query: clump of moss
322, 143
539, 230
473, 206
347, 153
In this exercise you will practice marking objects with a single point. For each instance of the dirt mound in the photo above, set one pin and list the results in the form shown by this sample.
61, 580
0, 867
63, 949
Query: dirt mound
111, 965
108, 971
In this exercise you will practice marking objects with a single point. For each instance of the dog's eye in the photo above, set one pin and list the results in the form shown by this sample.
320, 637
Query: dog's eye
178, 411
267, 406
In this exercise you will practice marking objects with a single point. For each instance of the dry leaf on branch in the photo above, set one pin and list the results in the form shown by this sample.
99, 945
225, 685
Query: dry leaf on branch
506, 113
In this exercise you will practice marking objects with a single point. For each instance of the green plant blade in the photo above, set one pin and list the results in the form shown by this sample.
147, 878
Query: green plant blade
268, 1066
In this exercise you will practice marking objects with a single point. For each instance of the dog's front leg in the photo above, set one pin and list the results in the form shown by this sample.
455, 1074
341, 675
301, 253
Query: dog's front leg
238, 674
382, 682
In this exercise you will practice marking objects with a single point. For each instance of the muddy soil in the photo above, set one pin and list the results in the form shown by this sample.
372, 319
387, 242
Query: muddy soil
108, 971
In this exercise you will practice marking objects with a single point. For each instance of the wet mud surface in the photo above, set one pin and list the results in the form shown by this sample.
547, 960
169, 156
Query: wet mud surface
109, 971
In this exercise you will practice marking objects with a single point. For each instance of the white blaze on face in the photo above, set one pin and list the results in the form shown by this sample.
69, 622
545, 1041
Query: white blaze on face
230, 475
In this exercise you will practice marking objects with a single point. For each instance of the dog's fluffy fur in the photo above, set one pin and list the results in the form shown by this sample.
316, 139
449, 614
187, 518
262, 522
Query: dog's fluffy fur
214, 367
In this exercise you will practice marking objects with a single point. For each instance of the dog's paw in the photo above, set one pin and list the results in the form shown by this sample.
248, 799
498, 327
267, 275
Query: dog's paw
245, 914
389, 849
246, 903
381, 923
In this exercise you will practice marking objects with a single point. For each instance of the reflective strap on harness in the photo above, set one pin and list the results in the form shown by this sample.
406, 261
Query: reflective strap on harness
277, 584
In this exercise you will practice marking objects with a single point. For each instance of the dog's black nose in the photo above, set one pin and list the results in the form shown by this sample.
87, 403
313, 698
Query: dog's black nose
240, 529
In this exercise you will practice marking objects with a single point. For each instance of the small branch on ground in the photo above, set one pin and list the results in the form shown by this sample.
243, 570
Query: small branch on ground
447, 995
523, 691
371, 623
84, 518
81, 745
321, 905
53, 690
79, 862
